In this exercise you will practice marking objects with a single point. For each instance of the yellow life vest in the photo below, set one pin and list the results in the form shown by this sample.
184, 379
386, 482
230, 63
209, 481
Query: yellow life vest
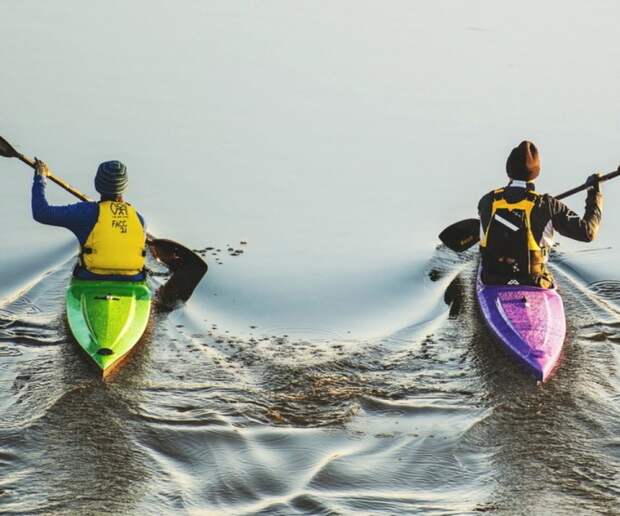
508, 245
526, 205
116, 244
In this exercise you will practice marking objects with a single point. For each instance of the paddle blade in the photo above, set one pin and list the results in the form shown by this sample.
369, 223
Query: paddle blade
175, 256
7, 150
462, 235
178, 288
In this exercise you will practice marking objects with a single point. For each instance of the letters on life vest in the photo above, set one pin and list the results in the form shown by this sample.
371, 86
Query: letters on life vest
508, 245
116, 244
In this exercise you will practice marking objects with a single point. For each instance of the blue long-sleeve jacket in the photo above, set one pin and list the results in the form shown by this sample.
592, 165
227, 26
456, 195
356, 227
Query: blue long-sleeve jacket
79, 218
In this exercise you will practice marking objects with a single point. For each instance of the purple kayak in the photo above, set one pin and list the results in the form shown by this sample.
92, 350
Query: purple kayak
528, 321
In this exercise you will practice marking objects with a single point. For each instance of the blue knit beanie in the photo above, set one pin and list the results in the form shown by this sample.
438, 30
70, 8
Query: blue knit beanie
111, 178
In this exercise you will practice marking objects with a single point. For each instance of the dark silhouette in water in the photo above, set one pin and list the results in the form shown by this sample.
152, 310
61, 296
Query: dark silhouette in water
179, 287
187, 271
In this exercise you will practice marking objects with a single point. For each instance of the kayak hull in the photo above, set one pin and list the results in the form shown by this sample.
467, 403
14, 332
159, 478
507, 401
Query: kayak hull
529, 322
107, 318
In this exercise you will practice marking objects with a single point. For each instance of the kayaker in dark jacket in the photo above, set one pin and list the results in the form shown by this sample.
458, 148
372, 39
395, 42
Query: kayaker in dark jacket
111, 232
518, 224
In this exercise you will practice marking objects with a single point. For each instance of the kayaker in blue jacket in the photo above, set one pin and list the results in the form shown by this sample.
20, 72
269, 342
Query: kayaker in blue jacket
518, 223
111, 232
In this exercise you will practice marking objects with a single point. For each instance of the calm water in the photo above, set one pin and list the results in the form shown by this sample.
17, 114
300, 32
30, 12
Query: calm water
339, 365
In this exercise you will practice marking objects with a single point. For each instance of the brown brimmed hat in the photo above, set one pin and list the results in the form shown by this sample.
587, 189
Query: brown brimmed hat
523, 162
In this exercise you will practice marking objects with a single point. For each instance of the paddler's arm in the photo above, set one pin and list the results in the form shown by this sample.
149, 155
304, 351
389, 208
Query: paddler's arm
78, 218
568, 223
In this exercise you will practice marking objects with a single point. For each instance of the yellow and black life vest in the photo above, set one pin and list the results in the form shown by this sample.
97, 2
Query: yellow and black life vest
508, 246
116, 244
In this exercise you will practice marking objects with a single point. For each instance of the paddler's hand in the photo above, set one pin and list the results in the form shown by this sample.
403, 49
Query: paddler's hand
593, 182
41, 168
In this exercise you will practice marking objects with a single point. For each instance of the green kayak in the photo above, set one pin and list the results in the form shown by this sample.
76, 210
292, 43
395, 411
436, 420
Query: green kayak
107, 318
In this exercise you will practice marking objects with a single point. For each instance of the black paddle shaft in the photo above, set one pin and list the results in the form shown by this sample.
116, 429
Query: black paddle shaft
584, 186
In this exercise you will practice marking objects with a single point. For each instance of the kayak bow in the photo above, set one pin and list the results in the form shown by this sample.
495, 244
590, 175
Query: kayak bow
528, 321
107, 318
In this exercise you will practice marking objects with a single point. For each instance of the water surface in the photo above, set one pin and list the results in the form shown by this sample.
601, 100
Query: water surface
338, 365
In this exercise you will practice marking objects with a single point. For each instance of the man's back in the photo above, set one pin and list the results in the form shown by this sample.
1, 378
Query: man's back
552, 215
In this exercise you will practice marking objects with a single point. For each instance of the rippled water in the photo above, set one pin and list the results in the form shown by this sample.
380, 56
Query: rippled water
338, 365
433, 417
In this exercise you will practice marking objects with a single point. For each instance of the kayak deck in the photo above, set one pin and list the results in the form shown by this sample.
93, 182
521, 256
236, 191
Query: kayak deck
528, 321
107, 318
